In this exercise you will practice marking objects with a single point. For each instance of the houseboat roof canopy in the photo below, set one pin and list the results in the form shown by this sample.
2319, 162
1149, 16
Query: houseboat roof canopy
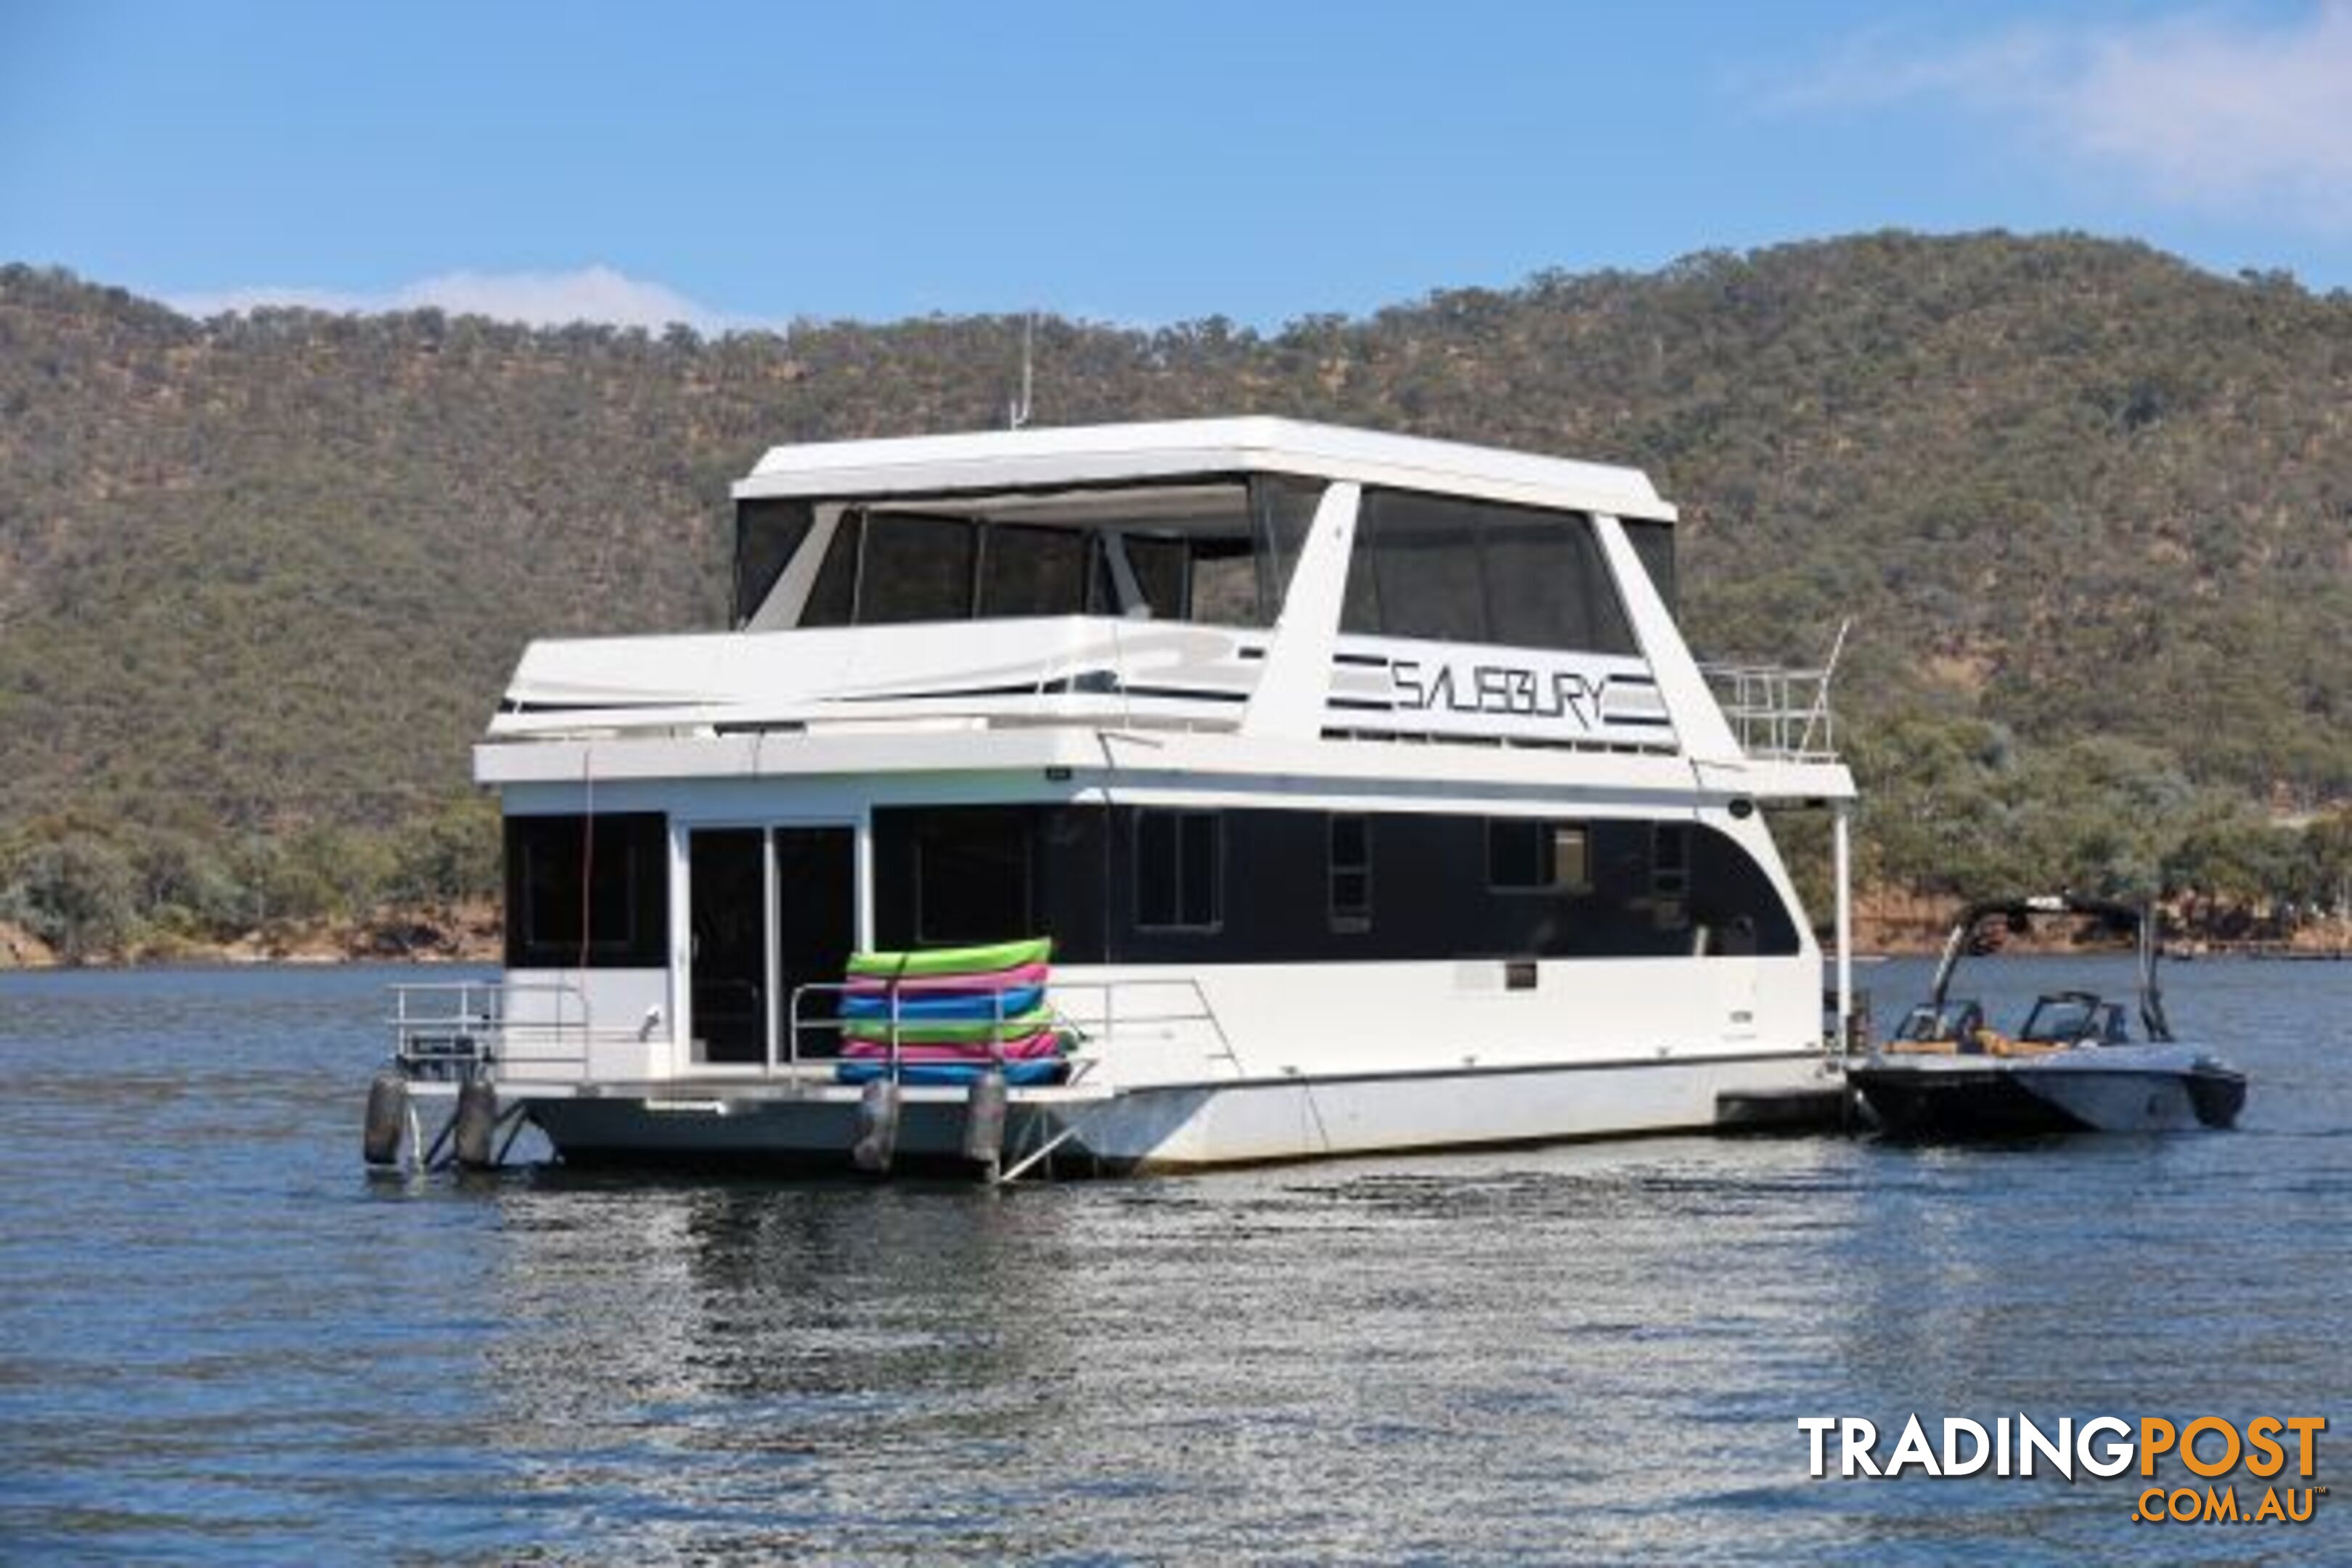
1045, 460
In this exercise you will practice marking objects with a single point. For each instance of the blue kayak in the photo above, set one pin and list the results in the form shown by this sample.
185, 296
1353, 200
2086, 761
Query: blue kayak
1017, 1074
936, 1007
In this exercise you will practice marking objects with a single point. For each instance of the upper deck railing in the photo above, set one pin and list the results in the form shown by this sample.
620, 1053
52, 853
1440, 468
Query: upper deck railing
1777, 714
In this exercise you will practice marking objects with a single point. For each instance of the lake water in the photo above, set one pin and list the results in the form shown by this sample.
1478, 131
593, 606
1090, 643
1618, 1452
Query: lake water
220, 1339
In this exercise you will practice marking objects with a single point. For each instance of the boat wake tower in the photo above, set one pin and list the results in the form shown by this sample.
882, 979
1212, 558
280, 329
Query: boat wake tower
1363, 785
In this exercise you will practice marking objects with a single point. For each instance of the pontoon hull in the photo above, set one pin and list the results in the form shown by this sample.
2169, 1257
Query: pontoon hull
1192, 1126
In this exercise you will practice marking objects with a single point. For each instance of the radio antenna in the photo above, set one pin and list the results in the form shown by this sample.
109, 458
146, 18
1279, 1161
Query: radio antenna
1016, 412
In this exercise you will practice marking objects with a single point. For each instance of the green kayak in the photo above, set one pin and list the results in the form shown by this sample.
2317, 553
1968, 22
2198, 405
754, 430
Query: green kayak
935, 960
957, 1032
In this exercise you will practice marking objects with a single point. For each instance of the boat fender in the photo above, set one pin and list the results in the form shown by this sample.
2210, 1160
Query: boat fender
477, 1124
878, 1127
387, 1118
984, 1120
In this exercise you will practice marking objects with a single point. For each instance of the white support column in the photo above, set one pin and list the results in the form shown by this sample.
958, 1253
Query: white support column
681, 949
771, 898
1841, 853
1297, 679
864, 879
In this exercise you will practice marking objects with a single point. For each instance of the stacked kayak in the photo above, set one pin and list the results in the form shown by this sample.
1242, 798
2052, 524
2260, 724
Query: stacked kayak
951, 1013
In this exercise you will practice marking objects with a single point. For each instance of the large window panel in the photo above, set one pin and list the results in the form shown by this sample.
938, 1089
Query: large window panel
587, 892
1453, 569
916, 568
1225, 582
1654, 543
1425, 563
767, 534
1160, 571
1531, 565
971, 876
1027, 571
1281, 508
1604, 628
1179, 870
832, 597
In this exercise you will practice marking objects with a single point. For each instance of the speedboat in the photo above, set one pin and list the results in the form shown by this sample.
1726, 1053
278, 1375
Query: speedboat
2071, 1064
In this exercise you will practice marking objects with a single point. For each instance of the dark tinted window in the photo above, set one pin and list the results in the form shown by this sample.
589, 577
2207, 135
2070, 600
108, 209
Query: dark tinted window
1529, 559
1032, 571
1223, 577
1100, 878
766, 534
916, 569
1284, 508
1456, 569
971, 876
1218, 549
1351, 872
1525, 853
587, 890
1424, 560
1179, 870
833, 595
1670, 859
1518, 853
1654, 543
1160, 571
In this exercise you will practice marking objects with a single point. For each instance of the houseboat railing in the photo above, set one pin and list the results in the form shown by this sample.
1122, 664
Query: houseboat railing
1777, 714
446, 1030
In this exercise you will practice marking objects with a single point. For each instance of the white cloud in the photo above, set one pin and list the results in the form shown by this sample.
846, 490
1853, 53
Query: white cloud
597, 294
2201, 110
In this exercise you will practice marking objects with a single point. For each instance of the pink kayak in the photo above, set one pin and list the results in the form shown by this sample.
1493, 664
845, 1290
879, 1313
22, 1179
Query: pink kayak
981, 982
1028, 1047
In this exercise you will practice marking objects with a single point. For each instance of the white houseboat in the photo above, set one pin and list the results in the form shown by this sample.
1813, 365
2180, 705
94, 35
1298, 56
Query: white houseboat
1364, 786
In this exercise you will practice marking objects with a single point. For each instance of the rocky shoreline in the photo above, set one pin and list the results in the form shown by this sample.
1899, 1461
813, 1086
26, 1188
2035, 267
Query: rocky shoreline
463, 933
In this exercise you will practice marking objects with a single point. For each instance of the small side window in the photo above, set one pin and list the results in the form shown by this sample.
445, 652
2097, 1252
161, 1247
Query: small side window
1669, 874
1669, 859
1179, 870
1351, 872
1532, 855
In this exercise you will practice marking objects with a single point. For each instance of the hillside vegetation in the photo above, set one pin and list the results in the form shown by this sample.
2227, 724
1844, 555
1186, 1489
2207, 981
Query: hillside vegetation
262, 578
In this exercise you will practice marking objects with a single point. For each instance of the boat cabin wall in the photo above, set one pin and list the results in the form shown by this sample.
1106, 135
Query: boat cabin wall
677, 924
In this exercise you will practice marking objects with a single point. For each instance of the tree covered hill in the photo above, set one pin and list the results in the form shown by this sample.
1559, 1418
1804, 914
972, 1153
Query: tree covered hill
264, 576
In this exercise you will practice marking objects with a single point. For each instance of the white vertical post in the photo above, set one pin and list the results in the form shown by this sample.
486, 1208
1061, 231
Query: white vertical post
681, 949
1841, 853
864, 857
771, 928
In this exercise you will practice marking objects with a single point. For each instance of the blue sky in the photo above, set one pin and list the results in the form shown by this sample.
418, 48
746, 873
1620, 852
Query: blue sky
754, 163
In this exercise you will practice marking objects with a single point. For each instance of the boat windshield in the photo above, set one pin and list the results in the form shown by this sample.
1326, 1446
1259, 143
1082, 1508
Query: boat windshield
2074, 1016
1952, 1021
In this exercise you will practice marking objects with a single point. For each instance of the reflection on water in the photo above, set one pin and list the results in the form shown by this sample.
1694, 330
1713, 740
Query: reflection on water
217, 1338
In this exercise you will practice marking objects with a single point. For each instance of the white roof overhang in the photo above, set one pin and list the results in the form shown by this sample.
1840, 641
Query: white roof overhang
1042, 459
